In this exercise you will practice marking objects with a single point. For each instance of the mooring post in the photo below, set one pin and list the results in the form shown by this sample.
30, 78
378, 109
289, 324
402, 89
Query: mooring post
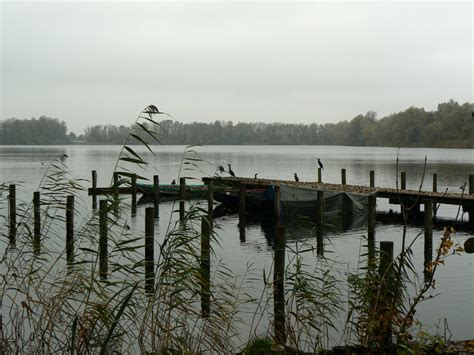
428, 250
320, 175
371, 219
343, 176
149, 250
156, 194
94, 187
435, 182
205, 267
103, 230
403, 179
242, 195
36, 221
182, 197
319, 222
70, 229
12, 210
277, 204
134, 194
372, 178
279, 287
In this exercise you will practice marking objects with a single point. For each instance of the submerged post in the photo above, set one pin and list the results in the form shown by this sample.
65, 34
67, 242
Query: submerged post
242, 195
403, 179
70, 229
320, 175
319, 222
149, 250
435, 182
279, 287
205, 267
36, 221
94, 187
156, 194
182, 197
343, 176
428, 247
103, 229
12, 210
134, 194
372, 178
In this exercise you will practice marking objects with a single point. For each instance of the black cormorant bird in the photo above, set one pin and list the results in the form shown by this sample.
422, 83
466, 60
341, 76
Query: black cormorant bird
231, 172
297, 179
221, 169
255, 177
173, 182
320, 164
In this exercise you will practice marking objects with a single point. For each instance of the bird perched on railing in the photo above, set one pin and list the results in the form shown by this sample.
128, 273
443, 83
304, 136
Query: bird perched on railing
231, 172
320, 164
297, 179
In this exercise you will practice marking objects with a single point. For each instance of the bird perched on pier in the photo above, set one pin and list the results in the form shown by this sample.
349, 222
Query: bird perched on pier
221, 169
255, 177
173, 182
320, 164
231, 172
297, 179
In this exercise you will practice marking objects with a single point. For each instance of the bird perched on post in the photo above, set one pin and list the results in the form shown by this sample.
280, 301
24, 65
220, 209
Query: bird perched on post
173, 182
320, 164
297, 179
255, 177
231, 172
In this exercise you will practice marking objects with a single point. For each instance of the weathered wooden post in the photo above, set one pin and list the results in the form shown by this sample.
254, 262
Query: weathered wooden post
134, 194
94, 191
403, 180
428, 247
12, 210
36, 221
103, 231
371, 216
372, 178
279, 287
149, 250
435, 182
242, 195
70, 229
205, 267
343, 176
320, 175
277, 205
156, 194
319, 222
182, 197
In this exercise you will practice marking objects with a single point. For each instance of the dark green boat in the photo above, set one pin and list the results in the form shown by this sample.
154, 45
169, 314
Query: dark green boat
172, 191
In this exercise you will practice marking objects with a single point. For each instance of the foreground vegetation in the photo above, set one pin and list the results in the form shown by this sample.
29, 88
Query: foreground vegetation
450, 126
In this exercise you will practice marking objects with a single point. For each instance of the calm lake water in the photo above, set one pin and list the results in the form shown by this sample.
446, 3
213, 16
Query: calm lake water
455, 286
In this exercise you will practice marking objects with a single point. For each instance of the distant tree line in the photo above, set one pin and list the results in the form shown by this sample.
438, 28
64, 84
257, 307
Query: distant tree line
451, 125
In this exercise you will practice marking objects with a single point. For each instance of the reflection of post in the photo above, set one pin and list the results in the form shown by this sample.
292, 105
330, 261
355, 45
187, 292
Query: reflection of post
242, 193
36, 221
94, 187
320, 175
103, 229
156, 194
134, 194
371, 219
277, 205
279, 286
12, 210
149, 250
70, 229
319, 222
205, 266
428, 220
182, 197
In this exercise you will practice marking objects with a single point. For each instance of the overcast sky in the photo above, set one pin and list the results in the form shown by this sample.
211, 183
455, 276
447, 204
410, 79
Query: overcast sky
102, 62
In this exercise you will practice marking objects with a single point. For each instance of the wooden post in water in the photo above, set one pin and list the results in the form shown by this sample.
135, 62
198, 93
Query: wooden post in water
242, 195
343, 176
149, 250
403, 180
182, 197
205, 267
70, 229
279, 287
156, 194
94, 187
319, 222
12, 211
103, 231
36, 221
277, 205
320, 175
372, 202
134, 195
428, 250
435, 182
372, 178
